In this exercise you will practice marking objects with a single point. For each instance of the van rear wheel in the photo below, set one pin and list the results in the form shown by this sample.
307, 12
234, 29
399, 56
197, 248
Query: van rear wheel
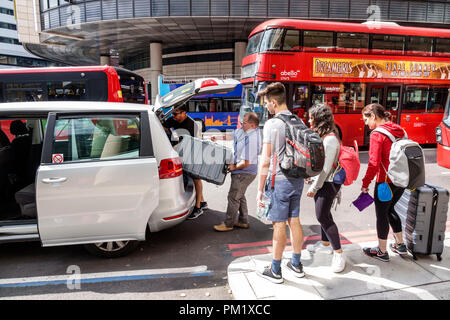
114, 249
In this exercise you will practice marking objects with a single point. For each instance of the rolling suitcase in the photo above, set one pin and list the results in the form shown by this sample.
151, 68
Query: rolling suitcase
204, 160
424, 215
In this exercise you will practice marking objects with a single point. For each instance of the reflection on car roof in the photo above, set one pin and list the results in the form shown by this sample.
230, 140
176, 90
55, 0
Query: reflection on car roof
62, 106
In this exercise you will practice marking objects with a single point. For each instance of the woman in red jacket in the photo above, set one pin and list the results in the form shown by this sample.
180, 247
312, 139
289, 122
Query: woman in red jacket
374, 115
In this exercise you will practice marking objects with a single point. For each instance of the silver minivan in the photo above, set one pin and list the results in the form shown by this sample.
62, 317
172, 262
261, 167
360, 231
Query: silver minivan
94, 173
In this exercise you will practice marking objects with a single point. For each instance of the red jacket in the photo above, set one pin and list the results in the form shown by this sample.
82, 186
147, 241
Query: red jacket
380, 147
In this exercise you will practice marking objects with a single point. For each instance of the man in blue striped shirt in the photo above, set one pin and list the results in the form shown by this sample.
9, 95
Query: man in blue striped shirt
247, 146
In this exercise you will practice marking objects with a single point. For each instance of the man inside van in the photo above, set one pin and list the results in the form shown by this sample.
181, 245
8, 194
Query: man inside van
180, 122
284, 192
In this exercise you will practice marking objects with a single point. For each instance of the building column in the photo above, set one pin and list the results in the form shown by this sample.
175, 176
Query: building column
239, 53
104, 59
155, 67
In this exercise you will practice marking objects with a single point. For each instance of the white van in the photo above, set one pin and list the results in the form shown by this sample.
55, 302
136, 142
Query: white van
94, 173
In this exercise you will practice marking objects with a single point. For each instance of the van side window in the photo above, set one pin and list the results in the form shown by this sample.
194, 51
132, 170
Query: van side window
96, 138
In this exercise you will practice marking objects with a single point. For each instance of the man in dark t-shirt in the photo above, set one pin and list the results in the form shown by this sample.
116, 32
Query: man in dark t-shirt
181, 123
180, 120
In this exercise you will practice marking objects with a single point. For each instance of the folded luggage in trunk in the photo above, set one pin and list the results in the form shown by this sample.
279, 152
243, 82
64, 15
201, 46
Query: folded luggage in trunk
204, 160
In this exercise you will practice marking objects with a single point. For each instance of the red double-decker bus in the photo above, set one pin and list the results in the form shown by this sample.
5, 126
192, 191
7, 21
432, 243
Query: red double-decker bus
443, 138
348, 66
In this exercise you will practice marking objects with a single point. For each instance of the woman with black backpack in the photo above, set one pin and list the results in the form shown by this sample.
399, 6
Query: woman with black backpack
324, 187
386, 193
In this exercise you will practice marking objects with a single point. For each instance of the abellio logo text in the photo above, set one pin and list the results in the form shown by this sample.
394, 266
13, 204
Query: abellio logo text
289, 74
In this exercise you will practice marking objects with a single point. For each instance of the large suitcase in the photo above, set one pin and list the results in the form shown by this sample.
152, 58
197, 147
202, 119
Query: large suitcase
424, 215
204, 160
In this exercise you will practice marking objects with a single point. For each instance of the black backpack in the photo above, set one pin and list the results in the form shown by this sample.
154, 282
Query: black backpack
304, 154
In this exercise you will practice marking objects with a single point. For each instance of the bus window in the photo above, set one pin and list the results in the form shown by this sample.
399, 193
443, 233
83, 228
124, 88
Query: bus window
442, 47
393, 98
66, 90
300, 97
132, 87
353, 97
342, 98
292, 40
318, 41
17, 92
327, 93
447, 115
437, 99
352, 42
272, 40
384, 44
415, 99
376, 94
420, 46
253, 44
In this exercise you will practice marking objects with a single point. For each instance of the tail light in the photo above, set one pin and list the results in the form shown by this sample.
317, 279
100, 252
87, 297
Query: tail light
209, 83
170, 168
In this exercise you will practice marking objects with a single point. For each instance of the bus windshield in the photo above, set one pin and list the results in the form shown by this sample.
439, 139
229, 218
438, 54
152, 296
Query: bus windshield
253, 103
447, 113
253, 43
132, 87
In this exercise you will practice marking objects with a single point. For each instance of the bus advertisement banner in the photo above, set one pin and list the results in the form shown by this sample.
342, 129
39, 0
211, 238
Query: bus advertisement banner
381, 69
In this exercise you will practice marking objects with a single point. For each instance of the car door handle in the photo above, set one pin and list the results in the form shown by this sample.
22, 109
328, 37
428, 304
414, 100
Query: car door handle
54, 180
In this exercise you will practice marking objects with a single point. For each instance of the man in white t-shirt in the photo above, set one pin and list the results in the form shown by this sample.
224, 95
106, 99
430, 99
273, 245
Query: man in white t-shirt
284, 192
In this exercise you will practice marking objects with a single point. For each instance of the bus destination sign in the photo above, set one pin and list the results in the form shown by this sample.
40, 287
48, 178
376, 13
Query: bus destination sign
381, 69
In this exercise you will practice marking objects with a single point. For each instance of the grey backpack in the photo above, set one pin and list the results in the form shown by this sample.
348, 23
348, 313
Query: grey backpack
406, 162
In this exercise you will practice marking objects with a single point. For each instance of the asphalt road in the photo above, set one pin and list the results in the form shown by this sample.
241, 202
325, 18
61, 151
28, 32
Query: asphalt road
186, 262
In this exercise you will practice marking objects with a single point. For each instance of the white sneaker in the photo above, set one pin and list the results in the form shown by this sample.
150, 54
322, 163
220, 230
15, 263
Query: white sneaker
338, 262
319, 247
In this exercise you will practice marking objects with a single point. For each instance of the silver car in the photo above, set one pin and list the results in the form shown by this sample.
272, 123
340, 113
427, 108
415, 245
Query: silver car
94, 173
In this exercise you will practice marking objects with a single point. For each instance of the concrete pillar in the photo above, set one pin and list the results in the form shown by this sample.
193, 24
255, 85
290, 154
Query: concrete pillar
155, 67
104, 59
239, 53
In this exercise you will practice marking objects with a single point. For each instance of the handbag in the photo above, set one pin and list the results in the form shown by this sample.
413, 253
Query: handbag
363, 201
339, 175
384, 192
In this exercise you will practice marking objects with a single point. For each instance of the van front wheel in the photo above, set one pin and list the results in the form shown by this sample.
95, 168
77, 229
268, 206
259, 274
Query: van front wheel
112, 249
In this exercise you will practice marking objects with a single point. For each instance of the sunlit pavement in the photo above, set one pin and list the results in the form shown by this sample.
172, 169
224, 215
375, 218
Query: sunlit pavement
363, 277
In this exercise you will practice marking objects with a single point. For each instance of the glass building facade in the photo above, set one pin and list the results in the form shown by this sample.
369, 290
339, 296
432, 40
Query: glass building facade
58, 13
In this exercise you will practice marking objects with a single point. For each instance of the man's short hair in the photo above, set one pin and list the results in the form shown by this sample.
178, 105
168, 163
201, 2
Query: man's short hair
252, 117
182, 108
275, 91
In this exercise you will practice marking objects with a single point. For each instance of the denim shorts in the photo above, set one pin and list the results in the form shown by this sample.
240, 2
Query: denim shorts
284, 199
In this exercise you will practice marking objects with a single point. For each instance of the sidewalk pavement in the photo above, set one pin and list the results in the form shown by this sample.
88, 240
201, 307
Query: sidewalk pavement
364, 278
